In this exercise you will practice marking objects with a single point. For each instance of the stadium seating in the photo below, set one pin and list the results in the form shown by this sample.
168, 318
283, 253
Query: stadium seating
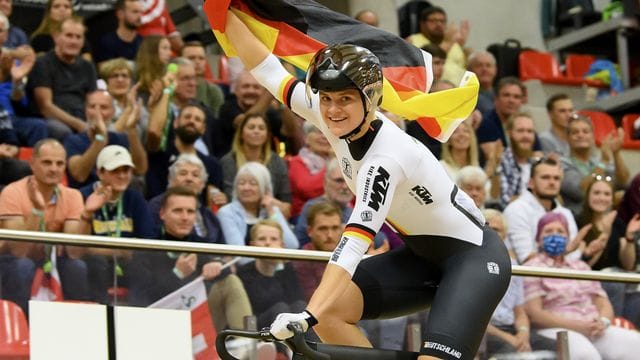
14, 332
627, 124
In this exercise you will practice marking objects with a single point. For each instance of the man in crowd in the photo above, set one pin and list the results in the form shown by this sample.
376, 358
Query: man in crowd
15, 36
61, 79
368, 17
125, 40
41, 203
483, 64
515, 168
188, 171
206, 92
336, 191
324, 227
523, 214
560, 109
154, 275
120, 212
433, 30
83, 148
188, 127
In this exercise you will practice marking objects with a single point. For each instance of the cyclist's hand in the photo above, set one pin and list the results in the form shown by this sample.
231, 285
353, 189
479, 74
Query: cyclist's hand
279, 328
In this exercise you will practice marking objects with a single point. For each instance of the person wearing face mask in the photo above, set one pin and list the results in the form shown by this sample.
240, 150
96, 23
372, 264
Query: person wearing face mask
580, 307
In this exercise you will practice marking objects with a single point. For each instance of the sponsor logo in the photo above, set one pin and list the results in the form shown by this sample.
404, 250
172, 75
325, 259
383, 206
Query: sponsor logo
444, 348
366, 216
421, 194
379, 189
493, 268
367, 184
346, 167
338, 250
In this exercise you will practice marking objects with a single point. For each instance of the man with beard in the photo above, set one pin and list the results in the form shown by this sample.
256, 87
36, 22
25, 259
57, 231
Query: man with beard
434, 30
83, 149
514, 169
188, 127
523, 214
184, 92
510, 96
125, 40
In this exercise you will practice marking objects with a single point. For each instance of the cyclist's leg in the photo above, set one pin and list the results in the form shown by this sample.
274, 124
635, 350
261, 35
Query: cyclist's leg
474, 280
338, 324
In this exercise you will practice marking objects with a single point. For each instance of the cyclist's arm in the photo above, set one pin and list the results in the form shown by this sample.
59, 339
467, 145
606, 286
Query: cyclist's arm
249, 49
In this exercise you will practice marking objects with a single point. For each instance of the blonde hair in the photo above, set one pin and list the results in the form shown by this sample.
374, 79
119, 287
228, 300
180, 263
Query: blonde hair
472, 151
253, 233
110, 66
237, 145
47, 25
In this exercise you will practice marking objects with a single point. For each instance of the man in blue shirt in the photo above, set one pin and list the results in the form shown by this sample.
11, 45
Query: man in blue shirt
121, 212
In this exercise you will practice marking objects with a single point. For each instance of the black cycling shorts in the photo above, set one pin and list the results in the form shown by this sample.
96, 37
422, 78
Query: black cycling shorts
461, 282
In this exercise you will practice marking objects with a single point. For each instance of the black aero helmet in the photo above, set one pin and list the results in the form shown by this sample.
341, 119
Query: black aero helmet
343, 66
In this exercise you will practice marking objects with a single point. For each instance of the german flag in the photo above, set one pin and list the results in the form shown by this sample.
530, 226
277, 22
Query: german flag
294, 30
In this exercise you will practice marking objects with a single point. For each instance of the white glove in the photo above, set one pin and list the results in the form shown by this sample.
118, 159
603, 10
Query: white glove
279, 328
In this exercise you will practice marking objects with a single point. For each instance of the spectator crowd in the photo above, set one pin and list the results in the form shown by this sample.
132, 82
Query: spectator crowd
130, 137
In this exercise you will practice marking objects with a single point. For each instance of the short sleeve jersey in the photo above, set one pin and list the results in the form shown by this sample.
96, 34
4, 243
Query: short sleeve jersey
395, 178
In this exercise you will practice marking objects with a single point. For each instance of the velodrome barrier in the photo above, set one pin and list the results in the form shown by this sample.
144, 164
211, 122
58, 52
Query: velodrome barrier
261, 252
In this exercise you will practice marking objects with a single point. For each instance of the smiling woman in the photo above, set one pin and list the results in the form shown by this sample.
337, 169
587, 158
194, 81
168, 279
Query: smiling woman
252, 142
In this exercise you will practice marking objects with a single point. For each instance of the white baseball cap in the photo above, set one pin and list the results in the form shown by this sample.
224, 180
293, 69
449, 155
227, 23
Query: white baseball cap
113, 157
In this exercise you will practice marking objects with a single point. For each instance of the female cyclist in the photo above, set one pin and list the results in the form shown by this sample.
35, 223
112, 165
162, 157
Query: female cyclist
452, 261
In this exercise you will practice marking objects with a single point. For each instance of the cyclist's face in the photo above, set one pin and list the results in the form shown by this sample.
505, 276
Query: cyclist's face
342, 110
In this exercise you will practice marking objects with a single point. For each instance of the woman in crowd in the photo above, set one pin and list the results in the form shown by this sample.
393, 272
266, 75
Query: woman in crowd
306, 170
252, 142
461, 150
118, 74
579, 306
252, 201
609, 242
151, 63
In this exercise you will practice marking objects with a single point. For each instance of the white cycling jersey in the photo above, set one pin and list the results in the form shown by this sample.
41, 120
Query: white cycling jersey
394, 177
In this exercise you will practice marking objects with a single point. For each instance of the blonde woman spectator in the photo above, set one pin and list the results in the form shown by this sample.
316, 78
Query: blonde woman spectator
252, 142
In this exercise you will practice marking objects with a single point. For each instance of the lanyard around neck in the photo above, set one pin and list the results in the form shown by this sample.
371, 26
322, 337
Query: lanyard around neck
118, 226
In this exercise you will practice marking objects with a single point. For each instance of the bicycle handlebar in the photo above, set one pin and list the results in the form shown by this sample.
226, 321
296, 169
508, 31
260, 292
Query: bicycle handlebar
297, 343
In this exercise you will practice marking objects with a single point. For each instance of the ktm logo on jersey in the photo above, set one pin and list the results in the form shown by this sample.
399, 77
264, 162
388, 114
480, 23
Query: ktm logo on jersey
420, 192
379, 189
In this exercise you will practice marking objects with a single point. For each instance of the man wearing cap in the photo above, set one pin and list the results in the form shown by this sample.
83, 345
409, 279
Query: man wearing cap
83, 148
113, 209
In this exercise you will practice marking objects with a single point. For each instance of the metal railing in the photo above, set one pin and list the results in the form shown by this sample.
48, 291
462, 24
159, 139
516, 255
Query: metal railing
261, 252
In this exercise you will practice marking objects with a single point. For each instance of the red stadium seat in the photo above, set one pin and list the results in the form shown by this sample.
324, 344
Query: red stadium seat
14, 332
25, 153
223, 71
577, 66
603, 124
543, 66
627, 124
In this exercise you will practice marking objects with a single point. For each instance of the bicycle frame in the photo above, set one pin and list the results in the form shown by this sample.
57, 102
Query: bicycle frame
307, 350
